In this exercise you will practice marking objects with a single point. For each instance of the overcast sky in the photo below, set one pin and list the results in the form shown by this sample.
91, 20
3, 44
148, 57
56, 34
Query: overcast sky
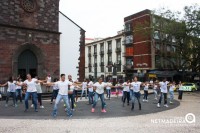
103, 18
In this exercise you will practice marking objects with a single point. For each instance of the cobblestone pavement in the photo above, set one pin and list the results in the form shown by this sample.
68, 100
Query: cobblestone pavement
117, 119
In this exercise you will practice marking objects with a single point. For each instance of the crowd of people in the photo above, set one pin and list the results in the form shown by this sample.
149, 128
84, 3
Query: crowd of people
67, 90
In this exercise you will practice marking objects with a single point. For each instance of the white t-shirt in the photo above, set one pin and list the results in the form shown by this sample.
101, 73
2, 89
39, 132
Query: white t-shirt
63, 87
38, 88
18, 87
84, 85
163, 86
55, 87
155, 86
146, 87
126, 86
100, 87
11, 86
90, 84
31, 85
108, 85
172, 87
136, 86
48, 79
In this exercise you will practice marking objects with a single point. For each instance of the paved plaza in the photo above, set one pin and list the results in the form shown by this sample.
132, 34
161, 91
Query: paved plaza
117, 118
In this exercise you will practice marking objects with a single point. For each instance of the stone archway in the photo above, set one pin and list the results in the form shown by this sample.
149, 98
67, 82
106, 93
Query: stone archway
35, 51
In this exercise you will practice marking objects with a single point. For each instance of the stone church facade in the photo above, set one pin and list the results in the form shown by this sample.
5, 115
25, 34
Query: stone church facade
29, 38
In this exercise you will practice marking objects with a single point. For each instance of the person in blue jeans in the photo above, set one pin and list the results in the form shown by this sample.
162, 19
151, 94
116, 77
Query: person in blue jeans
30, 83
19, 90
171, 91
10, 91
55, 91
99, 92
91, 92
108, 89
63, 86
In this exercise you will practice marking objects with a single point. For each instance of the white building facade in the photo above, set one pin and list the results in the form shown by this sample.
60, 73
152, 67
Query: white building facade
104, 58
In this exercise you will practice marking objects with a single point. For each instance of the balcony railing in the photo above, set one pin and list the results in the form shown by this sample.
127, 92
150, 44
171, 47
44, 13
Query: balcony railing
128, 54
117, 50
89, 54
95, 65
89, 65
101, 52
109, 51
95, 53
101, 64
128, 67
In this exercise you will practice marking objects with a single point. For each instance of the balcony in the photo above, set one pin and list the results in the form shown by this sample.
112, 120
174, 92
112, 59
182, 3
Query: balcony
109, 51
128, 42
89, 65
118, 50
128, 67
95, 53
95, 65
89, 54
101, 52
127, 54
101, 64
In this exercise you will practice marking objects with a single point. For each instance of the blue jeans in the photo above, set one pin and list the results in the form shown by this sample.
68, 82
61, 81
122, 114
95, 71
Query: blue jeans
165, 98
54, 95
85, 93
91, 94
71, 97
13, 94
171, 93
108, 93
66, 101
135, 95
96, 97
19, 95
34, 97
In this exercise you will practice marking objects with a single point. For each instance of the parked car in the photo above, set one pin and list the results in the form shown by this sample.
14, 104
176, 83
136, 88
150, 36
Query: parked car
188, 87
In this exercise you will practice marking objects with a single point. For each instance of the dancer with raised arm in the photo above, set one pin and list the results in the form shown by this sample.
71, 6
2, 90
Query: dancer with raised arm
10, 91
163, 88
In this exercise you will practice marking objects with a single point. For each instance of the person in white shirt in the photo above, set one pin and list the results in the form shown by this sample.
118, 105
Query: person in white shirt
10, 91
108, 89
71, 92
180, 91
126, 92
48, 80
55, 90
118, 87
146, 87
30, 83
163, 88
91, 92
156, 89
171, 91
19, 90
99, 92
136, 92
39, 94
63, 86
84, 89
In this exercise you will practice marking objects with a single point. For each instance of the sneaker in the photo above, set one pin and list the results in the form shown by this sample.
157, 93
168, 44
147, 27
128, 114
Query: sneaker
170, 102
158, 105
15, 105
32, 105
73, 109
36, 110
54, 115
51, 102
155, 98
143, 100
166, 105
103, 111
25, 110
70, 116
64, 105
6, 105
147, 100
92, 110
75, 105
42, 107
